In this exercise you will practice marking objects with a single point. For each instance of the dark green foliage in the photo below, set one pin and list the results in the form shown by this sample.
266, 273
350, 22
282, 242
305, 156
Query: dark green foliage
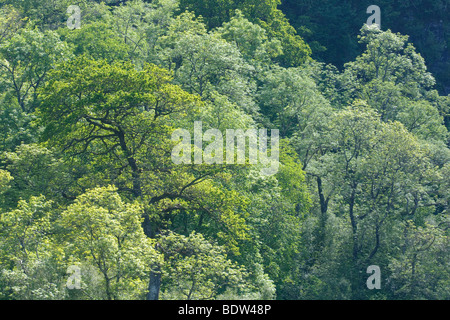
331, 27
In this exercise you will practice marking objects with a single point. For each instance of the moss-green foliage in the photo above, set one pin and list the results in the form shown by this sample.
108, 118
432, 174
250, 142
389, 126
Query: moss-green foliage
87, 181
264, 13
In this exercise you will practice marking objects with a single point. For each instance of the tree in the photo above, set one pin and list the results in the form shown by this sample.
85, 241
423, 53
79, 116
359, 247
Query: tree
204, 63
36, 171
195, 269
104, 232
111, 110
251, 40
48, 14
140, 25
330, 28
287, 96
372, 172
30, 258
393, 78
421, 270
16, 126
26, 59
120, 117
98, 41
295, 50
264, 13
276, 235
88, 180
389, 58
10, 22
5, 178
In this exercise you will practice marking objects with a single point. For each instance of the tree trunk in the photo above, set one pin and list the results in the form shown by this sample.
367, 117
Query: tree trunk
323, 202
154, 284
323, 213
354, 225
147, 226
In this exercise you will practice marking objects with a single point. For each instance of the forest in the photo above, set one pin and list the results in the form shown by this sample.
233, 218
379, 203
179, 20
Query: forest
94, 94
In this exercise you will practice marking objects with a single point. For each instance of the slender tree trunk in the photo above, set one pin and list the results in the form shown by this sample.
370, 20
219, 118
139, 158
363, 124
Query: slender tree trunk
108, 287
154, 284
148, 228
323, 201
354, 225
323, 213
357, 277
377, 243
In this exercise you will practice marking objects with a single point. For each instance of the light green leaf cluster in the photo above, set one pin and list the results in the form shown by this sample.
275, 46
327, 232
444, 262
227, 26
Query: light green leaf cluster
5, 178
105, 232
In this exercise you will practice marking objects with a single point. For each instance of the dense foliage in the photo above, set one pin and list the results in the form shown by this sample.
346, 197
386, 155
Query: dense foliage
330, 27
87, 181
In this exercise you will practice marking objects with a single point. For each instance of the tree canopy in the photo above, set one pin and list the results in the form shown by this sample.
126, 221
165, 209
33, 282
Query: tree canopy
92, 205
